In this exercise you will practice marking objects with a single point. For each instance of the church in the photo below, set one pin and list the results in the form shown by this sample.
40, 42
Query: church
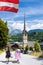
25, 41
25, 35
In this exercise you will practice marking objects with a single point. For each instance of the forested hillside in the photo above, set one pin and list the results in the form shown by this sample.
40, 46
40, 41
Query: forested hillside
32, 36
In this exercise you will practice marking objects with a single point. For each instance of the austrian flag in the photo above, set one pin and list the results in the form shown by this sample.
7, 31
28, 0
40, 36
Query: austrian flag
9, 5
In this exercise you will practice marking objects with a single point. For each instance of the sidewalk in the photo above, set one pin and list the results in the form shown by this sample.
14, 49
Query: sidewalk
25, 60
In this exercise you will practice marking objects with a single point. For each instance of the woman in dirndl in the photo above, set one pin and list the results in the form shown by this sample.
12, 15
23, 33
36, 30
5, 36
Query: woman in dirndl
17, 55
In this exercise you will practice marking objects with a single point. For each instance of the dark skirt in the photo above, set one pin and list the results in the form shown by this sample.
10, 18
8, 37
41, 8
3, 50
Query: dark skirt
8, 55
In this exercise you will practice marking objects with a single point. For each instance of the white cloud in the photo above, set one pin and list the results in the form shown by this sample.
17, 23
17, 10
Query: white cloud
29, 25
17, 25
37, 26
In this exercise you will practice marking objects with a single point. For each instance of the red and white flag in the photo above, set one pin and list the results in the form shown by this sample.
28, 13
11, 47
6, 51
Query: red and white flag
9, 5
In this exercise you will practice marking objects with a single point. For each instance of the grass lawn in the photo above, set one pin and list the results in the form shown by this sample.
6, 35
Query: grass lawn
37, 54
1, 51
41, 56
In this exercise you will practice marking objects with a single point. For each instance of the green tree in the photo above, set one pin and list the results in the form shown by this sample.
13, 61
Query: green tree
31, 48
3, 34
37, 47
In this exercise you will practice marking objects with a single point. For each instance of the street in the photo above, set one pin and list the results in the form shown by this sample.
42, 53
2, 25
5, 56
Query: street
25, 60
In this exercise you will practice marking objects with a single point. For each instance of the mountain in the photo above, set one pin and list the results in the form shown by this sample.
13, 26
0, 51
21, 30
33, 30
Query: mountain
36, 30
16, 31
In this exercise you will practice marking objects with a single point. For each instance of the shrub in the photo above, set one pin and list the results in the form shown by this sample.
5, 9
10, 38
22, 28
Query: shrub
31, 48
37, 47
21, 48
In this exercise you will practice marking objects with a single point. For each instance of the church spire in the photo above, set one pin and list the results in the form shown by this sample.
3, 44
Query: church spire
24, 23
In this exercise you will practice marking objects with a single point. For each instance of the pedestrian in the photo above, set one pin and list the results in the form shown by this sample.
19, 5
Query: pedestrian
17, 55
8, 54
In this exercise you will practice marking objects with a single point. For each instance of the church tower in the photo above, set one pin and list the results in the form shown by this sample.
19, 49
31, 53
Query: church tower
25, 42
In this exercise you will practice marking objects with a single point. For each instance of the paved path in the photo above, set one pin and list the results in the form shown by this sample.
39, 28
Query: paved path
25, 60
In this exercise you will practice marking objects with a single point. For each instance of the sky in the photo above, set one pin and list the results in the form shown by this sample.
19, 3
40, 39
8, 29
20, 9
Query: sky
33, 10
